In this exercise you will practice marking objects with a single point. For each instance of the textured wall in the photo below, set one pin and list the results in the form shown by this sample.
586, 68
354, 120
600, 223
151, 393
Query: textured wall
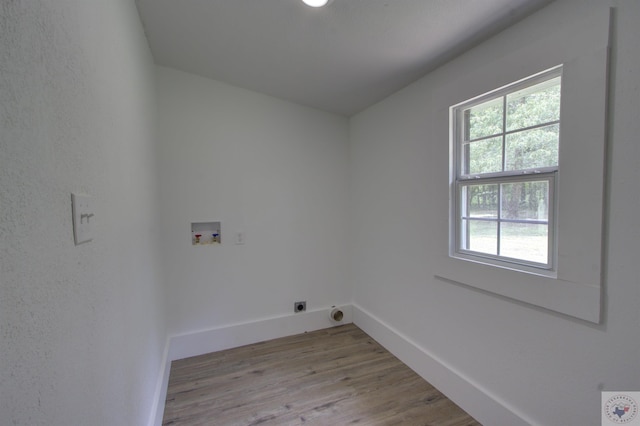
81, 331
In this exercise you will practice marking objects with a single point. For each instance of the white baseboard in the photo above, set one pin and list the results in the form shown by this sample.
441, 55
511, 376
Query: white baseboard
235, 335
470, 396
160, 394
481, 404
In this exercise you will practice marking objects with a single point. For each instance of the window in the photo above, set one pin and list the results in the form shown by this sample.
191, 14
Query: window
566, 277
505, 148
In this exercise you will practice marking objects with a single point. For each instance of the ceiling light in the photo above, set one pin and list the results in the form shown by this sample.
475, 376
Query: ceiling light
316, 3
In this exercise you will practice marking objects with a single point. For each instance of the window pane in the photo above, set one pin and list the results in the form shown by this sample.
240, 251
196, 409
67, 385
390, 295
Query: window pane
525, 200
524, 241
506, 156
533, 148
482, 200
484, 156
534, 105
483, 120
480, 236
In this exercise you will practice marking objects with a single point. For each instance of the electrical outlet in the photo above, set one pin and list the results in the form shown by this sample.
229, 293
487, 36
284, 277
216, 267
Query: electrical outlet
240, 237
299, 307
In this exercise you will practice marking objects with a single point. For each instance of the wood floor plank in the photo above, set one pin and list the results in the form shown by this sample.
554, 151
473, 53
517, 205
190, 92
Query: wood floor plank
336, 376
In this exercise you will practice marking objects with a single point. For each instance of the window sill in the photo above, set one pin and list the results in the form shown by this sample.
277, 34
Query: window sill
497, 263
578, 300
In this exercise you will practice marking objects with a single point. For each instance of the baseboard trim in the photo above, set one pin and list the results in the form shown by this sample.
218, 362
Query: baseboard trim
478, 402
160, 393
234, 335
473, 398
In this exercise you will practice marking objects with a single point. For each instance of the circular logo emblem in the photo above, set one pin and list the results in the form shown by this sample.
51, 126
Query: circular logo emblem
621, 409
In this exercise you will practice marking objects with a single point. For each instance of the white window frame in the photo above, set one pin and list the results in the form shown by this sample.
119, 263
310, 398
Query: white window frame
509, 176
582, 46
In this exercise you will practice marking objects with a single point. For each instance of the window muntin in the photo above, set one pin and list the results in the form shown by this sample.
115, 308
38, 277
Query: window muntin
506, 157
507, 219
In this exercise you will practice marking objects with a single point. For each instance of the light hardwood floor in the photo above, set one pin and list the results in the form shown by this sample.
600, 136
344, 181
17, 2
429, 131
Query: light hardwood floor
337, 376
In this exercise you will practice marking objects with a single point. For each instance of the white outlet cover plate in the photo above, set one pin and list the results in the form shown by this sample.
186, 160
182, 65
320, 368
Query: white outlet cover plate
83, 217
240, 237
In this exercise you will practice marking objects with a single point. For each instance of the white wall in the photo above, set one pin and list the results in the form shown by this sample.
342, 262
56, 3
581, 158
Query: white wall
545, 367
81, 327
269, 168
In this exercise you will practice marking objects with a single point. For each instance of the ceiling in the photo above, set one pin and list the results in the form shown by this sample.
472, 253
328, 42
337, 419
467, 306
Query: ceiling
341, 58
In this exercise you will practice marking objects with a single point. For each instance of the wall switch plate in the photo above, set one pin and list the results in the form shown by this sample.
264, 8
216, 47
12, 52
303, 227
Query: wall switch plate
83, 217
